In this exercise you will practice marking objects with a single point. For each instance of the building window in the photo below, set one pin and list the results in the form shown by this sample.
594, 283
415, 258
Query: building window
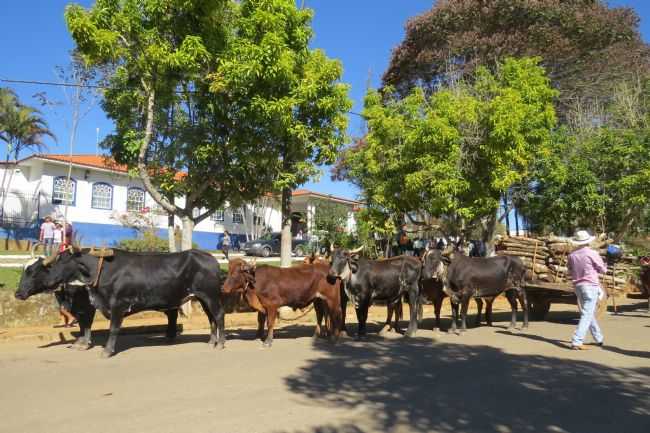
102, 197
135, 200
258, 220
237, 217
217, 216
64, 192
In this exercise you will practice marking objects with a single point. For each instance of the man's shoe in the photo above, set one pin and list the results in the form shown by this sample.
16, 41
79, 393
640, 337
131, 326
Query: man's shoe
581, 347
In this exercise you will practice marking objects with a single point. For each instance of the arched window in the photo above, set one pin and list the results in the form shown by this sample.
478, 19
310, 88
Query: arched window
102, 196
134, 200
64, 192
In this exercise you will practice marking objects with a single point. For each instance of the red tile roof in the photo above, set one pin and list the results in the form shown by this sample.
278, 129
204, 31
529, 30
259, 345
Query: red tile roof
96, 161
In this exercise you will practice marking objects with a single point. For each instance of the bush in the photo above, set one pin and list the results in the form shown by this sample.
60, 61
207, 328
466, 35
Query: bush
148, 243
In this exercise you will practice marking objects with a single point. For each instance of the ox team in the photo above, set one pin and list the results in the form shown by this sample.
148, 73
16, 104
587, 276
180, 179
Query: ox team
119, 283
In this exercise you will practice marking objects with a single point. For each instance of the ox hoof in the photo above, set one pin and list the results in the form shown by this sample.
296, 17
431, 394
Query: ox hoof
220, 346
267, 344
106, 355
81, 346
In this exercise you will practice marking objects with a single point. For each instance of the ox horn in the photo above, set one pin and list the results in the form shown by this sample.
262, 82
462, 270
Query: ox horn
32, 251
356, 250
49, 260
331, 248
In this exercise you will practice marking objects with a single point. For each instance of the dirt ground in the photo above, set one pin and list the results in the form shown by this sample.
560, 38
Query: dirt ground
487, 380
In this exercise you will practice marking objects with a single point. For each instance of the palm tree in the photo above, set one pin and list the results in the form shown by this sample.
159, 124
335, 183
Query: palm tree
21, 127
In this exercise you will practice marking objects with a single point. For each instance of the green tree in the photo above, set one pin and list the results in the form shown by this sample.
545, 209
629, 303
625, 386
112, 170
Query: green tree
453, 153
331, 221
226, 92
293, 94
586, 46
595, 175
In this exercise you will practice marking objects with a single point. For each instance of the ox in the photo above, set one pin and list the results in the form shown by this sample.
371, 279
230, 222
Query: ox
467, 277
432, 289
386, 280
120, 283
267, 288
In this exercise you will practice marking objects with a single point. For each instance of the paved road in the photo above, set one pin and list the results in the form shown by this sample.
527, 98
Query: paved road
488, 380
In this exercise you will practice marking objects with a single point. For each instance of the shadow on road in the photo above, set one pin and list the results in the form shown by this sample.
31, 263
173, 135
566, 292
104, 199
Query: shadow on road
455, 388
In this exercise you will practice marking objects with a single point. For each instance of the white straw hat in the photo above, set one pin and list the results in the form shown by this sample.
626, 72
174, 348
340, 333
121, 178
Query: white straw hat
582, 237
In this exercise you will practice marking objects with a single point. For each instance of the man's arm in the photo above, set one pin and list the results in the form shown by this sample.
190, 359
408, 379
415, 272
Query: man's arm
599, 265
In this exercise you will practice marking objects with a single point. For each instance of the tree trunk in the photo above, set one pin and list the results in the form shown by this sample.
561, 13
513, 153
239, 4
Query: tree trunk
506, 211
625, 225
171, 234
285, 246
488, 233
188, 229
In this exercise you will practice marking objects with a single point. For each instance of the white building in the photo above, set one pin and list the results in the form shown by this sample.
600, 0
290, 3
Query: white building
102, 195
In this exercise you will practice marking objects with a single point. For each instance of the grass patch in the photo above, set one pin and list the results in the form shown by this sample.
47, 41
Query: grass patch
10, 277
12, 253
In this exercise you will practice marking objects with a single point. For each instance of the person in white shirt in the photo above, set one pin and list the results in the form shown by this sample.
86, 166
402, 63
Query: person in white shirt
47, 235
58, 237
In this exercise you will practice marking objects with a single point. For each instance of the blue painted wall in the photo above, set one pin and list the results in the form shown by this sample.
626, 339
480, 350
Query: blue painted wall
89, 234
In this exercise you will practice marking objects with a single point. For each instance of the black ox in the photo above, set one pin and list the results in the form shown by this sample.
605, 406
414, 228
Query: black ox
120, 283
385, 280
464, 278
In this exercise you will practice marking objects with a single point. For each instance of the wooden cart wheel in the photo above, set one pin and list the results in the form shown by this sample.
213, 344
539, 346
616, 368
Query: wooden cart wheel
538, 309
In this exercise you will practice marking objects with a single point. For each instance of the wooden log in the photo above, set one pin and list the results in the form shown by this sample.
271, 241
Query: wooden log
524, 239
540, 251
515, 253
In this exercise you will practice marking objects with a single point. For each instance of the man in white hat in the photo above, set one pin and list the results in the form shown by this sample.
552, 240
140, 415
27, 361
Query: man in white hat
585, 264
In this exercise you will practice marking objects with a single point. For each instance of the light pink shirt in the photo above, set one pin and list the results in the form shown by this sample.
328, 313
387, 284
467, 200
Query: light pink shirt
585, 264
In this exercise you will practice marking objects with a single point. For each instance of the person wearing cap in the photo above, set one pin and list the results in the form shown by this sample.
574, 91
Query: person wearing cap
584, 265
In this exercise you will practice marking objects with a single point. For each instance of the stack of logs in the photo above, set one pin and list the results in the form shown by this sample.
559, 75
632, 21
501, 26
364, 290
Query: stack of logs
546, 260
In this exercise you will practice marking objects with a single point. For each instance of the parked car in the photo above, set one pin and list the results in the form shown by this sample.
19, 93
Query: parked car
270, 244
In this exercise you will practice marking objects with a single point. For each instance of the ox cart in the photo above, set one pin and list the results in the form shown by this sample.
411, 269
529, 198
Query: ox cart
542, 294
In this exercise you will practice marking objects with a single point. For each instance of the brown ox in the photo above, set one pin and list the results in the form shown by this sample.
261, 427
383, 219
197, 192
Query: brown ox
267, 288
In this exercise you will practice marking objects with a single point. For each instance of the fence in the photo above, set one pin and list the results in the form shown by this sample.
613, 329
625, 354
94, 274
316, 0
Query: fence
18, 210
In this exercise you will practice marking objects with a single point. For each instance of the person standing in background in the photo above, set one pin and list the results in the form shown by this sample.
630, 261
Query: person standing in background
584, 265
46, 235
225, 243
69, 235
58, 237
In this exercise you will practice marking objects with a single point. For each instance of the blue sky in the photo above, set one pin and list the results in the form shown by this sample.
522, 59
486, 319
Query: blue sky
361, 33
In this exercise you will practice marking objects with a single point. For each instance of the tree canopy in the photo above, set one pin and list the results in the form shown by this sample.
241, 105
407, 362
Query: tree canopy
596, 174
227, 92
585, 45
454, 152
